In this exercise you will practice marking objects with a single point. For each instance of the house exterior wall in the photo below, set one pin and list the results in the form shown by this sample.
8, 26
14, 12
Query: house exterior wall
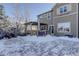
78, 19
71, 16
31, 29
45, 18
72, 19
74, 8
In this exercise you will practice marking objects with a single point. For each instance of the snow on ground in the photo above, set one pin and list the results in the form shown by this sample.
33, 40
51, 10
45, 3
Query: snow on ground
39, 46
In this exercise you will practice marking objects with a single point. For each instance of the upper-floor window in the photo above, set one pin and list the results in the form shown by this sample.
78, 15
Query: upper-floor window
63, 9
49, 16
46, 16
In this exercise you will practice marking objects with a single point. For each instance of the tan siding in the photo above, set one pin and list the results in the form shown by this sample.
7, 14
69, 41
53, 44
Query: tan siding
71, 16
45, 19
72, 19
74, 8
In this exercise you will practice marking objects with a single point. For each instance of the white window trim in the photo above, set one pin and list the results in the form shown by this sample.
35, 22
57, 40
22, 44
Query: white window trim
68, 9
63, 31
49, 14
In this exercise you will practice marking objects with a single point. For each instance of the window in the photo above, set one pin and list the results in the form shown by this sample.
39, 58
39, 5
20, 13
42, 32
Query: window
43, 27
64, 9
64, 27
49, 16
61, 10
34, 27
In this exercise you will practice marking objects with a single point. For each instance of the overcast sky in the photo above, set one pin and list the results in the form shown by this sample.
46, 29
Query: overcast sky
34, 9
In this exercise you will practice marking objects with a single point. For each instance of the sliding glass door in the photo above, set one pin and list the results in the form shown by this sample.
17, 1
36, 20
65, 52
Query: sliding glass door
51, 29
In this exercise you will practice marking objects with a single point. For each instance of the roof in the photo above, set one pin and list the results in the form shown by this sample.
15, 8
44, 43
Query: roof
35, 23
48, 11
45, 13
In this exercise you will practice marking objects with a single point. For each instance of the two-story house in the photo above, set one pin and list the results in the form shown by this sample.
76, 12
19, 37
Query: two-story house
64, 19
46, 19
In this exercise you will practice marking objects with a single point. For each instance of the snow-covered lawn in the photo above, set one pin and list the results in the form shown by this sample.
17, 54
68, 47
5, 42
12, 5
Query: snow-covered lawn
39, 46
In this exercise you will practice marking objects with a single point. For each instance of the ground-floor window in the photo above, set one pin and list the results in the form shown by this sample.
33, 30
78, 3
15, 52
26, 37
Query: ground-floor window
64, 27
43, 27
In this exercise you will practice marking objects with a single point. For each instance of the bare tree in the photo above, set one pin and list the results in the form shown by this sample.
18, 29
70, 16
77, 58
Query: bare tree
16, 15
21, 15
26, 15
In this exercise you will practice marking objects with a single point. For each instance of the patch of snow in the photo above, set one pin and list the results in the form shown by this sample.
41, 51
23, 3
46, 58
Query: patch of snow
39, 46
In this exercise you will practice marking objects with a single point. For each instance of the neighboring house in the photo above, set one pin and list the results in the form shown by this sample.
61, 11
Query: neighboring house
45, 18
32, 27
64, 19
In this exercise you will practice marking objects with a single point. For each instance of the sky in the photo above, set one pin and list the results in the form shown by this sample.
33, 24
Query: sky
32, 9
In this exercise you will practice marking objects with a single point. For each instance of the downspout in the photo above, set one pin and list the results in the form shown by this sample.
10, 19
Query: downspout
38, 28
78, 20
